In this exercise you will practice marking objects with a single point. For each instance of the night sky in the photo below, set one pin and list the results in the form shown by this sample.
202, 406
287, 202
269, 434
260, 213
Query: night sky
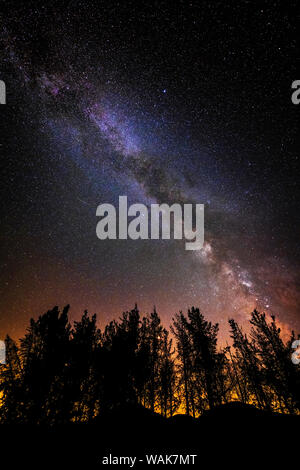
189, 102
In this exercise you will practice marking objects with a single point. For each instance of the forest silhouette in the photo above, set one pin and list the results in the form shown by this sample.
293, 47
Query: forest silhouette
61, 373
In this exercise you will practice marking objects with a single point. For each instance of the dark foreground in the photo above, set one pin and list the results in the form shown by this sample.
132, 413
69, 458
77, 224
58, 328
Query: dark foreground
233, 434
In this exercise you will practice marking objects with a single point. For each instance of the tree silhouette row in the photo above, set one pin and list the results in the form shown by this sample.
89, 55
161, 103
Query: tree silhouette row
59, 373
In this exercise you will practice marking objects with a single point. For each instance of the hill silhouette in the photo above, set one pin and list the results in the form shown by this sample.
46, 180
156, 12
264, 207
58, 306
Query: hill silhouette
214, 437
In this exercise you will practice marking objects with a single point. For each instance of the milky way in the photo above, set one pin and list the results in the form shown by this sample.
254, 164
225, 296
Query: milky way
164, 106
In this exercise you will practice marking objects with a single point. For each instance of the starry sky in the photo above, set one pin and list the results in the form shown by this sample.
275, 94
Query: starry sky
186, 102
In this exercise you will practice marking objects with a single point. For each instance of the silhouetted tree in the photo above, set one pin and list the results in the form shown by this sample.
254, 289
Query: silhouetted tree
120, 342
155, 339
239, 387
280, 374
185, 360
33, 383
250, 375
155, 378
45, 354
167, 378
208, 362
202, 366
83, 368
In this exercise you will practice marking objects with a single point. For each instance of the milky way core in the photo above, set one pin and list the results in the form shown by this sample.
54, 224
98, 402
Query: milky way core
188, 106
